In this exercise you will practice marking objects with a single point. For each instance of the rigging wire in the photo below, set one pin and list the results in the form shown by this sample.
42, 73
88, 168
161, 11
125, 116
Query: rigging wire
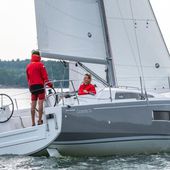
82, 74
127, 34
138, 48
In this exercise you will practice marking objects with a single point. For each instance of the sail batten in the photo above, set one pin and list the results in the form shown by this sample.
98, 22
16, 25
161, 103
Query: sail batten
54, 55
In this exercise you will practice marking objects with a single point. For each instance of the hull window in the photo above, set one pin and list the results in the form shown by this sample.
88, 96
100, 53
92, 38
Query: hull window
161, 115
130, 95
122, 95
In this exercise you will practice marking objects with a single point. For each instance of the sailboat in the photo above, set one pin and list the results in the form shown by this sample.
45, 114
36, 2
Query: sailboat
120, 43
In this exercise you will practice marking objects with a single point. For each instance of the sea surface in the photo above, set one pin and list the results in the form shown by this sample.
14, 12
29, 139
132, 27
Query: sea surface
140, 162
135, 162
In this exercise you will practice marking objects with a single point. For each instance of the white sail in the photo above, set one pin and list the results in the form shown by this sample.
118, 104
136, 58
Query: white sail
137, 44
70, 30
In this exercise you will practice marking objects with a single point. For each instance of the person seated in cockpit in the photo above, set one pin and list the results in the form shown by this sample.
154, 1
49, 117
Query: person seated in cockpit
87, 87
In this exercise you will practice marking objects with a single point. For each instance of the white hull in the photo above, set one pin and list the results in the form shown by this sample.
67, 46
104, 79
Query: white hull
124, 146
31, 140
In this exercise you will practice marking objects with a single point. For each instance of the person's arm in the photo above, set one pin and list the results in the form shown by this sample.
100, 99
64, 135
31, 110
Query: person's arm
81, 90
27, 75
44, 75
92, 89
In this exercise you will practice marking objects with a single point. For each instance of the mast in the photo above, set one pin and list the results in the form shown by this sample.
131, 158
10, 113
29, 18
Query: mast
110, 71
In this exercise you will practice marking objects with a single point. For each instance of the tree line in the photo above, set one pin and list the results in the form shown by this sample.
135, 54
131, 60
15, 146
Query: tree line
13, 73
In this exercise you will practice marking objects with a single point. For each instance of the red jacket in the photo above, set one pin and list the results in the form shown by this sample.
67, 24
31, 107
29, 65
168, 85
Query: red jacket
36, 71
89, 88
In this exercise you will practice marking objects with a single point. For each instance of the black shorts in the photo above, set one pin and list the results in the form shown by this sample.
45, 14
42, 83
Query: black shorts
37, 89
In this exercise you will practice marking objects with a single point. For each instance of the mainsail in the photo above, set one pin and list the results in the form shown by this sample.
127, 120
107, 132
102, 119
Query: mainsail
137, 45
74, 30
70, 30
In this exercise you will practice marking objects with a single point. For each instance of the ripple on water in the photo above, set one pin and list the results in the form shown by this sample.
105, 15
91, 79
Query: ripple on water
139, 162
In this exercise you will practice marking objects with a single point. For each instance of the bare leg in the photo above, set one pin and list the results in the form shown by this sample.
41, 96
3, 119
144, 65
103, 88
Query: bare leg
33, 106
40, 110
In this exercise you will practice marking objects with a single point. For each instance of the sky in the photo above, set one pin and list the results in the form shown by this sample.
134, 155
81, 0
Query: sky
18, 28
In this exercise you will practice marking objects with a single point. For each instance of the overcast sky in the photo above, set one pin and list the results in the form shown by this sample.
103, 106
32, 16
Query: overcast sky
18, 31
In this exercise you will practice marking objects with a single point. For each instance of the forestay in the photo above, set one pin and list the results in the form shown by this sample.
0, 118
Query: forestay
137, 44
70, 30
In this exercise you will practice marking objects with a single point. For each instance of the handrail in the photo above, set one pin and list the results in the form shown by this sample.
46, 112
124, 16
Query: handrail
141, 89
72, 84
62, 92
75, 92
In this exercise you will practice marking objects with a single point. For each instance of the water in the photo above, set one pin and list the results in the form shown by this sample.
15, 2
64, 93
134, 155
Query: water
141, 162
137, 162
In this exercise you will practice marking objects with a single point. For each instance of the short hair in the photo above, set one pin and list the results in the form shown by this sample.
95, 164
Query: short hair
88, 75
36, 52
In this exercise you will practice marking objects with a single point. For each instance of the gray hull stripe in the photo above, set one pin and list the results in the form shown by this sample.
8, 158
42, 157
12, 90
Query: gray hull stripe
110, 141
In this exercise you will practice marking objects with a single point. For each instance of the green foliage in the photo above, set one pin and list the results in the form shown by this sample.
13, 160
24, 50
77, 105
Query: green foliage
13, 73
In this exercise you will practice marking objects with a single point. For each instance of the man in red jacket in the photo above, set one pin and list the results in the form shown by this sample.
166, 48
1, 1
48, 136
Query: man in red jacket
37, 77
87, 87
